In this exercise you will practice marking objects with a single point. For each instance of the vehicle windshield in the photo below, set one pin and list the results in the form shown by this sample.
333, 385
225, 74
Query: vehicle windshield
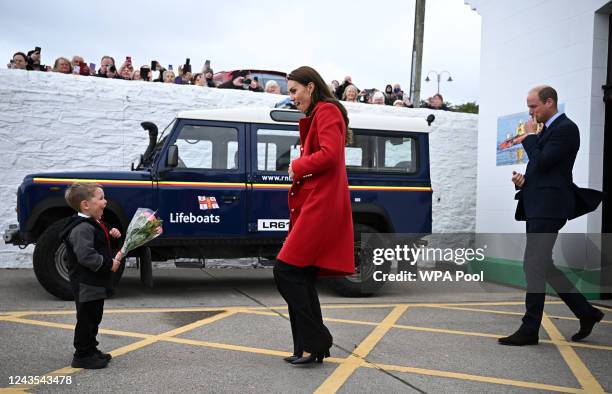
150, 158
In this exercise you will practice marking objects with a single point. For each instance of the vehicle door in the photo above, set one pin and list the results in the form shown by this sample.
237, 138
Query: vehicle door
272, 149
205, 195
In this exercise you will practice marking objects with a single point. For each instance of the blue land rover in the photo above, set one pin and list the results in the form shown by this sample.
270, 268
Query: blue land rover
218, 179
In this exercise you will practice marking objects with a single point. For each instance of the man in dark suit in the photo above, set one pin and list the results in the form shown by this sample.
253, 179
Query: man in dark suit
547, 198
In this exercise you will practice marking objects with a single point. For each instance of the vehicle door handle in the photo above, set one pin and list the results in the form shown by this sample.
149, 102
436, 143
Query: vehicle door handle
230, 198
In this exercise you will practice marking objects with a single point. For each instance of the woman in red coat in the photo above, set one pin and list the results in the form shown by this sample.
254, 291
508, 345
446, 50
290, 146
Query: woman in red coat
320, 239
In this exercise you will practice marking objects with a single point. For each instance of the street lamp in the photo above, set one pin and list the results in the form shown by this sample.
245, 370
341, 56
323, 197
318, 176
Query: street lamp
438, 76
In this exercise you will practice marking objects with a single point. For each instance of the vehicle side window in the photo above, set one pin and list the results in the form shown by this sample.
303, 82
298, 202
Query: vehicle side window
208, 147
276, 149
381, 153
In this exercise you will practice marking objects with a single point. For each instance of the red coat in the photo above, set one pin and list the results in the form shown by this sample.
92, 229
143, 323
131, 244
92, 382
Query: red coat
321, 223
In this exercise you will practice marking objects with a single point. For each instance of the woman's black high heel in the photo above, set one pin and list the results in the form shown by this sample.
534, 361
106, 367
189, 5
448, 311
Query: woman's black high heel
313, 358
292, 358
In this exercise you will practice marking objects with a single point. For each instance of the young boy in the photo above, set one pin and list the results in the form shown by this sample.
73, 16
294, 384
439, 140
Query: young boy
88, 246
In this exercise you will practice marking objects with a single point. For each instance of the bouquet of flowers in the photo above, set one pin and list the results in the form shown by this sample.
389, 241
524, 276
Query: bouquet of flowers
143, 227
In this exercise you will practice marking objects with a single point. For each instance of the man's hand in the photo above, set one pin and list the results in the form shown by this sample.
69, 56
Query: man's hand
531, 127
238, 81
114, 233
518, 179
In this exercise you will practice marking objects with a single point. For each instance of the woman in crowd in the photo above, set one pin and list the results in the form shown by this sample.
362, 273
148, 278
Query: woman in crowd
126, 70
320, 239
169, 76
350, 94
62, 65
198, 80
389, 96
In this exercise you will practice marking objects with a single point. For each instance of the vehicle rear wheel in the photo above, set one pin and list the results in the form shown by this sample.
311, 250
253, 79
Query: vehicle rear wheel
51, 263
362, 283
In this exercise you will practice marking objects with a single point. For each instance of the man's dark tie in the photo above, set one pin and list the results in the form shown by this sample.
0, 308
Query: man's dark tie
541, 132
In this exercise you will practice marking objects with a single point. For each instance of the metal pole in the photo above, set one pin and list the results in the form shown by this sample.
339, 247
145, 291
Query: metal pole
417, 52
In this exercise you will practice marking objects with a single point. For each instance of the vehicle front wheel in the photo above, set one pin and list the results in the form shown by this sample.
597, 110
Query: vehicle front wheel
362, 283
51, 262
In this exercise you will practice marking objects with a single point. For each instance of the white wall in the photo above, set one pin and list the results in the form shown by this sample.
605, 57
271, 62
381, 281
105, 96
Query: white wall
55, 122
525, 43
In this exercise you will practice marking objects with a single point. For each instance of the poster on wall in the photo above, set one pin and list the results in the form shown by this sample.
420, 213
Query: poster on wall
510, 134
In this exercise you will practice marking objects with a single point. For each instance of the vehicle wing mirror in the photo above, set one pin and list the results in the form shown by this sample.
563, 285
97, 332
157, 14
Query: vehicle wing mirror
173, 156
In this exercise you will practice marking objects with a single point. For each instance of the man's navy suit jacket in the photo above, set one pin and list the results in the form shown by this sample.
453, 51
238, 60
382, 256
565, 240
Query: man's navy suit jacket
549, 190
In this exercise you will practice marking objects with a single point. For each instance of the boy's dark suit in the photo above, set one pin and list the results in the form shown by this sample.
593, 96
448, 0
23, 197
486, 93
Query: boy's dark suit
89, 260
546, 200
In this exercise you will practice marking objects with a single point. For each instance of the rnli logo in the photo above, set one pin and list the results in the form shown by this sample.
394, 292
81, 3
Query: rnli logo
207, 203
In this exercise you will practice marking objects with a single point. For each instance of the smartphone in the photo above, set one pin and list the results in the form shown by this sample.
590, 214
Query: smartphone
128, 59
178, 80
92, 68
169, 67
207, 64
144, 73
76, 70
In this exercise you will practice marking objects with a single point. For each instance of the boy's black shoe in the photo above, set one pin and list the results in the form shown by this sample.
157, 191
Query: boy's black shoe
104, 356
586, 325
519, 339
89, 362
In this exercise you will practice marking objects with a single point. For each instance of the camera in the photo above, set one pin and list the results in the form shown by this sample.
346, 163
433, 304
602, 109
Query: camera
187, 66
112, 68
246, 81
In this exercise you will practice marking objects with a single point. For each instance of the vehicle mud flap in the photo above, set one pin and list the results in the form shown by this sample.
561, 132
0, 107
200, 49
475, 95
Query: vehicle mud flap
146, 267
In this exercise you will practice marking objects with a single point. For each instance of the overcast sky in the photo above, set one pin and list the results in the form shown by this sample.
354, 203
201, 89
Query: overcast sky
369, 40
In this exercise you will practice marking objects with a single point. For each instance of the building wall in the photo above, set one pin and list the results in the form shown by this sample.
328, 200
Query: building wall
525, 43
55, 122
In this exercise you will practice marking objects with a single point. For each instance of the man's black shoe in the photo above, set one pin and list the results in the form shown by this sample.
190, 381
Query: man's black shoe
519, 339
89, 362
586, 325
104, 356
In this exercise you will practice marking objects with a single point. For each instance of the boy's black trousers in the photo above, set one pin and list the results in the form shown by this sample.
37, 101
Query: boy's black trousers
89, 316
297, 286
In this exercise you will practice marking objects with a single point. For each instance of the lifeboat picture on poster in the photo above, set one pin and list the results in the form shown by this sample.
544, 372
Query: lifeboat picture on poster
510, 134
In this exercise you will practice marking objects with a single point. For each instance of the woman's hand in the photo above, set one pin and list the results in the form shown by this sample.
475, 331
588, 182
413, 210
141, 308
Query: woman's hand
291, 174
115, 233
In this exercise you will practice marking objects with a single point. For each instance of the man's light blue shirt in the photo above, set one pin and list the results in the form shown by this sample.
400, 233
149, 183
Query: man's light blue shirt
552, 119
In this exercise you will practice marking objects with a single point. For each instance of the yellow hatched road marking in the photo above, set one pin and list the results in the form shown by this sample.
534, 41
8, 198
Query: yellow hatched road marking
475, 378
169, 337
355, 360
580, 371
149, 340
508, 312
330, 306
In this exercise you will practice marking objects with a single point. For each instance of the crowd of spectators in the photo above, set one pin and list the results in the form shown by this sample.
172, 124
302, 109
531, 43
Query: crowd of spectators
184, 75
392, 95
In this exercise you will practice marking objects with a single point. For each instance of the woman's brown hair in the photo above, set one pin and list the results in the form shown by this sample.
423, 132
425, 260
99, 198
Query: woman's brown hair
304, 75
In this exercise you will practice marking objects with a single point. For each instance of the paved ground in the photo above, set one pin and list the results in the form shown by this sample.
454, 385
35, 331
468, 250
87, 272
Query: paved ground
223, 330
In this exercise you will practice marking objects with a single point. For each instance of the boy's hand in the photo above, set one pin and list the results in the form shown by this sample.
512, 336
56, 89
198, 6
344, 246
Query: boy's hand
115, 233
116, 264
116, 260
